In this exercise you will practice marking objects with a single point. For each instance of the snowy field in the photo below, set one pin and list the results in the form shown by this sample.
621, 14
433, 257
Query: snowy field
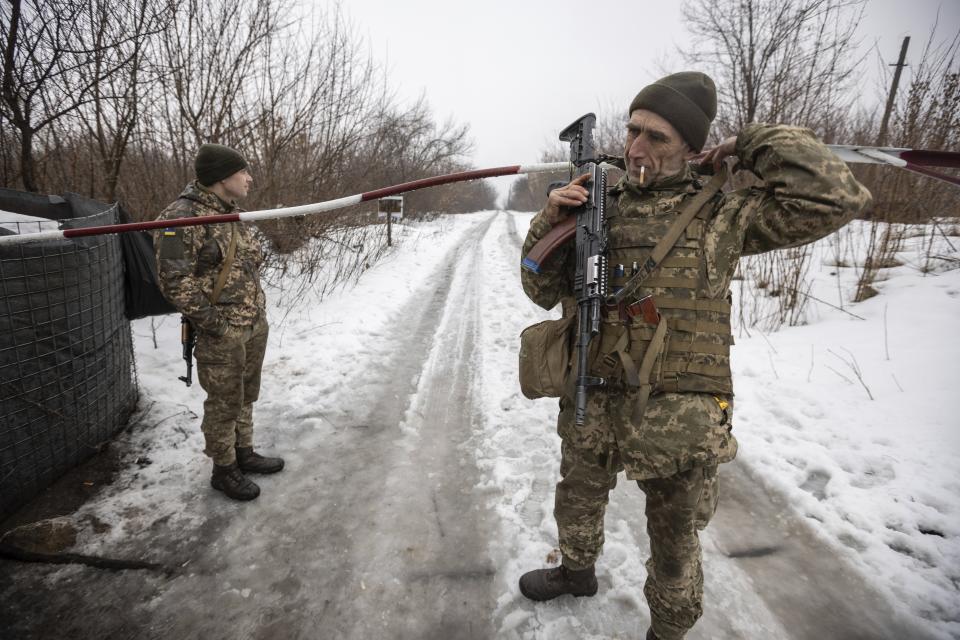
876, 475
857, 421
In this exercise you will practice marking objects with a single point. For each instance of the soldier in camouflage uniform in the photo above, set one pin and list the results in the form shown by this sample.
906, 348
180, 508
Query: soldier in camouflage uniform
672, 442
231, 324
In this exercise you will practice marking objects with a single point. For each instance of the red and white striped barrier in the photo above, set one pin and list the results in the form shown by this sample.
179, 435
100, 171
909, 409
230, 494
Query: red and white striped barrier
915, 160
287, 212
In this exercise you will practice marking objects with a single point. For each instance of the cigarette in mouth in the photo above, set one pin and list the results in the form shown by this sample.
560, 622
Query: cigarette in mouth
642, 169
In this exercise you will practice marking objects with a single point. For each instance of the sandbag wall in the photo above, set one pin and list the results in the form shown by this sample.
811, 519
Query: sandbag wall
67, 371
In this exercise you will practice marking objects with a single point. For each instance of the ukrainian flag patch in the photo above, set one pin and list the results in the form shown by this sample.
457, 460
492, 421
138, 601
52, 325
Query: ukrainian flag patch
169, 231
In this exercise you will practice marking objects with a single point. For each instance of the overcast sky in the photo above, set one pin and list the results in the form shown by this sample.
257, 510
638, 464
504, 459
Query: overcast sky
519, 71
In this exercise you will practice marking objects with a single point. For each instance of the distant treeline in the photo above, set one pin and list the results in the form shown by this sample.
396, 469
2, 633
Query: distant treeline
112, 99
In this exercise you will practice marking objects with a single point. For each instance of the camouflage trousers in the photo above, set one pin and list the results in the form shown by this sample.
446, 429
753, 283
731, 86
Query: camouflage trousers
677, 508
228, 368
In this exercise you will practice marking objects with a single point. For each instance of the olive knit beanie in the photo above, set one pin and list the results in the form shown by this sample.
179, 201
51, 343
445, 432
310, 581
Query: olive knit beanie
687, 100
214, 162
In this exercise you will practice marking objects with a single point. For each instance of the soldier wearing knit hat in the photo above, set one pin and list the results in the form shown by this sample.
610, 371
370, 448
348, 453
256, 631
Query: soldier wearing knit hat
223, 172
214, 162
668, 424
687, 100
211, 274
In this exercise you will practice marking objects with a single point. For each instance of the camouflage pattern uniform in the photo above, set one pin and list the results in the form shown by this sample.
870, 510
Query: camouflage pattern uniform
673, 449
232, 334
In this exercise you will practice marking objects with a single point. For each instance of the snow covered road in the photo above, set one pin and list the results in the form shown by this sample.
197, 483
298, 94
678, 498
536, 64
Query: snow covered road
418, 487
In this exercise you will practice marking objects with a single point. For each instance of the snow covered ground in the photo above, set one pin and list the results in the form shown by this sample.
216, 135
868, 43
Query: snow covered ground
20, 223
857, 421
351, 386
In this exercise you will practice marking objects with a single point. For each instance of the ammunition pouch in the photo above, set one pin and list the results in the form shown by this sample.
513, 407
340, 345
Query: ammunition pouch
545, 357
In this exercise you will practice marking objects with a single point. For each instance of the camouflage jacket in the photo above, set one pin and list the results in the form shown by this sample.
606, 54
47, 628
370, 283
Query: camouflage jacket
807, 193
189, 260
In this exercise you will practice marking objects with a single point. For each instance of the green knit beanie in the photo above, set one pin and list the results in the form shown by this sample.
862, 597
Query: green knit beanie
687, 100
214, 162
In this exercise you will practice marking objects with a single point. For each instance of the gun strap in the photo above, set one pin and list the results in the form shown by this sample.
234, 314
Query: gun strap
227, 264
665, 244
654, 349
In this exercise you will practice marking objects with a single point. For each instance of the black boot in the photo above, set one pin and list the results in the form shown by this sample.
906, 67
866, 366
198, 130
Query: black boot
546, 584
251, 462
233, 483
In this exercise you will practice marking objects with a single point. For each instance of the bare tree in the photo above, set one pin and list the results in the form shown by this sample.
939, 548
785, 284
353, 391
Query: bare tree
211, 52
926, 116
114, 113
776, 60
46, 45
408, 144
313, 105
114, 99
521, 196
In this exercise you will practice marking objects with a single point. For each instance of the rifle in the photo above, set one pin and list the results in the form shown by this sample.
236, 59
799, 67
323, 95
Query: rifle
590, 278
188, 338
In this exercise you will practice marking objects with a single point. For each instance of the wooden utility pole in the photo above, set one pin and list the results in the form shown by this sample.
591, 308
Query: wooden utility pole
882, 137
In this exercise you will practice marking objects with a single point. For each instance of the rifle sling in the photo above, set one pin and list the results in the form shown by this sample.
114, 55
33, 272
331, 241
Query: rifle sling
227, 264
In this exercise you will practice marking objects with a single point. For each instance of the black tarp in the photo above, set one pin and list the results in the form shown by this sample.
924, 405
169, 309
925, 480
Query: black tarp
140, 290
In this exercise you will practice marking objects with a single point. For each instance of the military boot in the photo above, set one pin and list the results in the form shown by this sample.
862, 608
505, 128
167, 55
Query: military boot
233, 483
251, 462
546, 584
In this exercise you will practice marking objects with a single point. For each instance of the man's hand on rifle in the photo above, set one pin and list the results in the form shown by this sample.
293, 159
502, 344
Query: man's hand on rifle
562, 198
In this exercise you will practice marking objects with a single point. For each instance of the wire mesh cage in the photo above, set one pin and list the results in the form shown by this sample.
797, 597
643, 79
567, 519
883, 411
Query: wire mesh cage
67, 370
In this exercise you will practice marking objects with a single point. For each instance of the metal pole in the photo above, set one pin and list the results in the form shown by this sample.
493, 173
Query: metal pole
893, 92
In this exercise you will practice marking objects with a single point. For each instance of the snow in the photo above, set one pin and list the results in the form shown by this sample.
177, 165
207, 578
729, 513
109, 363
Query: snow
21, 223
878, 477
878, 480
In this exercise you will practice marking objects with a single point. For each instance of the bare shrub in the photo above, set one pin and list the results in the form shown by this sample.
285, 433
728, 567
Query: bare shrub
926, 116
336, 254
782, 277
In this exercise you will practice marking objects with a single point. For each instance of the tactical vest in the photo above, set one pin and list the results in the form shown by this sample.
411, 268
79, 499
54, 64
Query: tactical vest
694, 353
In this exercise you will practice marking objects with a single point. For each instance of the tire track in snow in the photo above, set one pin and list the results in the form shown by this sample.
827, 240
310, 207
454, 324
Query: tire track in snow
416, 565
813, 591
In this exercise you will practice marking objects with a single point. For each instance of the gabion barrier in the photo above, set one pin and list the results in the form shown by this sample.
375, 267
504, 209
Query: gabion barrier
67, 370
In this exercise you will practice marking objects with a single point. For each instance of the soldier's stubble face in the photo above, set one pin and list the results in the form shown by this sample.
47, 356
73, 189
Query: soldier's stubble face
655, 145
236, 186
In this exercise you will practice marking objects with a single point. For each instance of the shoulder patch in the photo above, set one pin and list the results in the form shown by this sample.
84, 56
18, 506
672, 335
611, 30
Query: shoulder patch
171, 244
